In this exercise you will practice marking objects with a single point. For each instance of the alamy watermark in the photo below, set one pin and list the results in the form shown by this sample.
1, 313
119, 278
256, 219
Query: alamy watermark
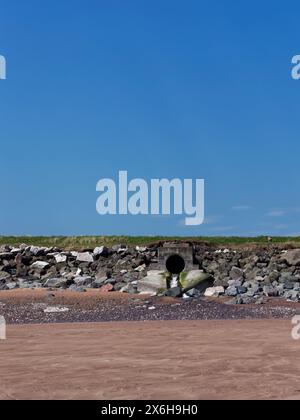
2, 67
296, 67
295, 333
160, 197
2, 328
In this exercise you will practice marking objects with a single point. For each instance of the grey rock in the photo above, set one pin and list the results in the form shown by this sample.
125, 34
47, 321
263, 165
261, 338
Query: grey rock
292, 257
85, 257
37, 250
270, 291
260, 301
4, 276
231, 291
155, 282
60, 258
214, 291
235, 283
100, 251
83, 281
174, 292
39, 265
241, 289
236, 273
56, 282
11, 285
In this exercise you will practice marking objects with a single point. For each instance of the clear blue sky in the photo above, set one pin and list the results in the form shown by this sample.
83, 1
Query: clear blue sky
162, 88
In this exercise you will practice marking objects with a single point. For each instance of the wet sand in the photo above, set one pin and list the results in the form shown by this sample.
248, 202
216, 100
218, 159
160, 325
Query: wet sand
215, 359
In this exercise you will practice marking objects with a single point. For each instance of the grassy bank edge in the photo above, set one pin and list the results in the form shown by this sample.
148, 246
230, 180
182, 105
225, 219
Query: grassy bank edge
80, 242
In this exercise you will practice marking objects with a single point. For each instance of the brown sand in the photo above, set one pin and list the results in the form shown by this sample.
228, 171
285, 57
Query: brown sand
151, 360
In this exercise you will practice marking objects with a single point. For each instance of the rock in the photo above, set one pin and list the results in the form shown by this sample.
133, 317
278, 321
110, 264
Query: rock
236, 283
55, 309
155, 282
173, 292
214, 291
195, 278
236, 273
37, 250
235, 301
83, 280
247, 300
241, 289
231, 291
292, 257
252, 291
56, 282
260, 301
288, 285
270, 291
39, 265
4, 275
140, 268
60, 258
128, 288
11, 285
286, 277
106, 288
141, 248
85, 257
193, 293
101, 251
273, 276
151, 308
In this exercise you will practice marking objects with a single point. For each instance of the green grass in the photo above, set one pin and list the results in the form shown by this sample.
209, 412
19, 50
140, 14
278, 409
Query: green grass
81, 242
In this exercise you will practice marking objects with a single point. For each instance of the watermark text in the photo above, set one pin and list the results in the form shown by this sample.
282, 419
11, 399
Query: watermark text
2, 67
159, 197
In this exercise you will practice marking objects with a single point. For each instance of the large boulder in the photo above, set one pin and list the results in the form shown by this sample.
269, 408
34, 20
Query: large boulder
155, 282
292, 257
195, 278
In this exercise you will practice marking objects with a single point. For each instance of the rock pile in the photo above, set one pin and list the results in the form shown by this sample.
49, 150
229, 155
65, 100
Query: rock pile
243, 275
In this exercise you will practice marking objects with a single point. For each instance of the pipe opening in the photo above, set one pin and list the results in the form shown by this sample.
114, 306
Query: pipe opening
175, 264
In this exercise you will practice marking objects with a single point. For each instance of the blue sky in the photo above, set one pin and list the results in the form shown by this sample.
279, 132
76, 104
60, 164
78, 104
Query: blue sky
188, 89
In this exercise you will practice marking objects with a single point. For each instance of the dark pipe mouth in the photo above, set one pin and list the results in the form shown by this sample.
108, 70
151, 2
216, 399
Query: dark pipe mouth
175, 264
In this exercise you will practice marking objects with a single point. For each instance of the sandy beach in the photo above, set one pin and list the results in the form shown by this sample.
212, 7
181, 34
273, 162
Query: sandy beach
151, 360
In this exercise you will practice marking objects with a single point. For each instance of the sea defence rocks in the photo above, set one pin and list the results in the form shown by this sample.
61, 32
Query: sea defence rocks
195, 279
154, 283
249, 275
